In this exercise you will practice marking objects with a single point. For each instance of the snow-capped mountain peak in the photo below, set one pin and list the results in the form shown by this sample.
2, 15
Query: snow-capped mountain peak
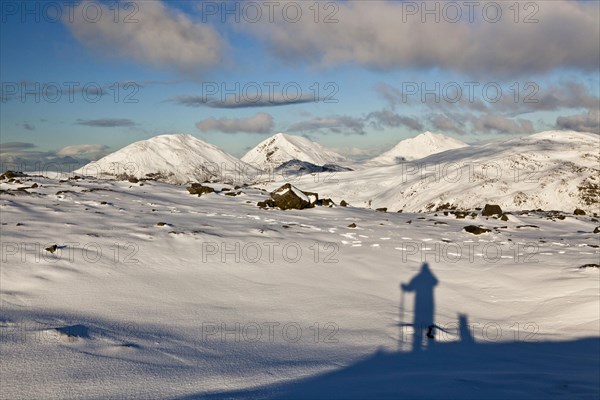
423, 145
176, 158
279, 148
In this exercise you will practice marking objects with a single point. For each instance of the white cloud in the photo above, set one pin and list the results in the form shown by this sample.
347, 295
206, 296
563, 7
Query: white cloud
588, 122
381, 35
259, 123
334, 124
91, 151
154, 35
501, 124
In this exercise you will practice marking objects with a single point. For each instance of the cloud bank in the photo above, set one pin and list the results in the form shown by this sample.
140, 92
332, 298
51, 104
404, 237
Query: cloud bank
259, 123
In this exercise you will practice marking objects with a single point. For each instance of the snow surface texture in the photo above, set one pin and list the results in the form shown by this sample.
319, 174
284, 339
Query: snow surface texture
420, 146
277, 149
176, 158
554, 170
155, 293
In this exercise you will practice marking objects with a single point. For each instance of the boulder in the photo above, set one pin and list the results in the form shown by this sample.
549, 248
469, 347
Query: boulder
579, 211
597, 229
199, 189
11, 175
289, 197
491, 209
52, 248
326, 202
475, 230
343, 203
381, 209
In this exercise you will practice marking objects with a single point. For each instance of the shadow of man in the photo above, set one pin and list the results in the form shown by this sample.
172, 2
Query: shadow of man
423, 285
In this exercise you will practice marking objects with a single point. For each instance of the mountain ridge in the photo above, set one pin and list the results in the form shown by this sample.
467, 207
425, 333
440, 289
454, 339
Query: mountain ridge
281, 147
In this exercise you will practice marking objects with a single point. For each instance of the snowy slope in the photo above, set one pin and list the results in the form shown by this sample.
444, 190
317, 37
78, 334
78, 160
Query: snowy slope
281, 147
420, 146
554, 170
160, 294
176, 158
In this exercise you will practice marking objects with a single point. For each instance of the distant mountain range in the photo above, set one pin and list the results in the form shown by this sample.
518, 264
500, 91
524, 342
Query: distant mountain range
550, 170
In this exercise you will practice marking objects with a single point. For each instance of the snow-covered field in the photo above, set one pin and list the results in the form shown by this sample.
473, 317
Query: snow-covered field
155, 293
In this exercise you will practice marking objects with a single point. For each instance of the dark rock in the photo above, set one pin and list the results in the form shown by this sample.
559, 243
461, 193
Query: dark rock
589, 266
269, 203
504, 217
597, 229
288, 197
491, 209
161, 223
298, 168
381, 209
11, 175
352, 225
326, 202
225, 189
199, 189
343, 203
475, 230
446, 206
34, 185
440, 223
52, 248
528, 226
133, 179
579, 211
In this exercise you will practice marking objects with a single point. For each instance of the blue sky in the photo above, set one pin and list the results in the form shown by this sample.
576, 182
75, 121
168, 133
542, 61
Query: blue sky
369, 68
